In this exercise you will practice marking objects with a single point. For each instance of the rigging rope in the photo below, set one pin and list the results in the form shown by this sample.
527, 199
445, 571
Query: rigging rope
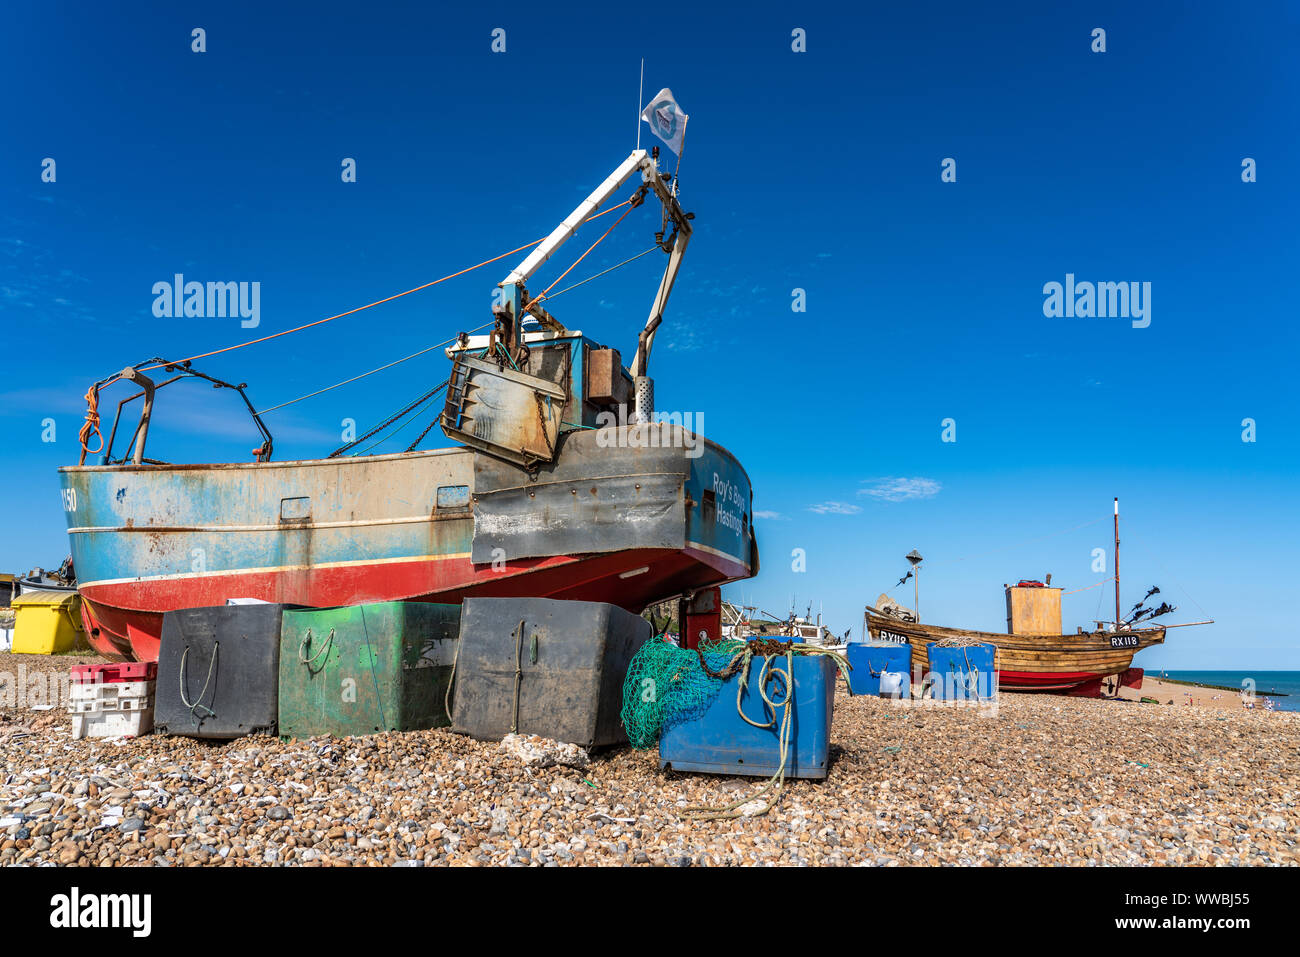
1086, 587
537, 299
413, 355
91, 426
602, 272
1165, 571
378, 302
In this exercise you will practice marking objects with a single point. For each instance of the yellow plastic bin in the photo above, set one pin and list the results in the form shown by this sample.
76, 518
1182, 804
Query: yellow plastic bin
46, 622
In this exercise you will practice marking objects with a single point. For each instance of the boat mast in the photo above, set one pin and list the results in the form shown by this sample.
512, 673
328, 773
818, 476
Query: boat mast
1117, 563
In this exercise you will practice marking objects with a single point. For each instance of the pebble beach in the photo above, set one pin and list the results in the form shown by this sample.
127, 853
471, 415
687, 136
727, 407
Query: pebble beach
1038, 780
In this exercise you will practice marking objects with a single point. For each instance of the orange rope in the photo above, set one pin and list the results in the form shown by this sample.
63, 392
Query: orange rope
318, 322
1086, 587
537, 299
377, 302
91, 426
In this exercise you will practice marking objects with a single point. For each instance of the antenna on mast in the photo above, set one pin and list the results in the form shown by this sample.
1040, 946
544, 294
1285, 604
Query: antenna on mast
639, 93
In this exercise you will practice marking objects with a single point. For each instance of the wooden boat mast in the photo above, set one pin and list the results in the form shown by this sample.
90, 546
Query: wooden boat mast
1117, 563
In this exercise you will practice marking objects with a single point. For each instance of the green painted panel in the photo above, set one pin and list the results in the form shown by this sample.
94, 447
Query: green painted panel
366, 668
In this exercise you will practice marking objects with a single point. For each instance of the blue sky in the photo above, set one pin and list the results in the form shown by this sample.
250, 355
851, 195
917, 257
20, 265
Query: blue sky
817, 170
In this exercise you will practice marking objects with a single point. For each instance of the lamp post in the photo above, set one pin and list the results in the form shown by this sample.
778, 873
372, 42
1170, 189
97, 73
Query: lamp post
915, 558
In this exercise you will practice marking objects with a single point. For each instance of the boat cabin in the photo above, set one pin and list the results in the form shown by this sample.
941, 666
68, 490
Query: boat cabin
516, 408
1033, 608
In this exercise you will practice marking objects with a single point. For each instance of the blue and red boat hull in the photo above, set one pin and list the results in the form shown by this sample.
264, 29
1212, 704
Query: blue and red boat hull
625, 524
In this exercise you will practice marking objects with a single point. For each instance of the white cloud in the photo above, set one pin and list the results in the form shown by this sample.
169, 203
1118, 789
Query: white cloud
834, 508
685, 340
901, 489
767, 514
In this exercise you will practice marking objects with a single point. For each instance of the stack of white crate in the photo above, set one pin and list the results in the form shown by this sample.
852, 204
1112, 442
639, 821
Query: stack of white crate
111, 708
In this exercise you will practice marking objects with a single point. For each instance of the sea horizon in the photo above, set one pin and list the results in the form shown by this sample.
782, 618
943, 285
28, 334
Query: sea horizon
1283, 687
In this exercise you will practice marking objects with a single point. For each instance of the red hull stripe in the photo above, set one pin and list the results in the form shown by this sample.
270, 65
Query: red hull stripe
1045, 680
128, 615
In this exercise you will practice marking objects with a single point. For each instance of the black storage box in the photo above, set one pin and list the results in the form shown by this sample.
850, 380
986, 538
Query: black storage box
571, 658
219, 671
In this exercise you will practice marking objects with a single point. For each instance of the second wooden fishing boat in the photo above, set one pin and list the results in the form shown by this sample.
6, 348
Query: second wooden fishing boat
1034, 654
1029, 662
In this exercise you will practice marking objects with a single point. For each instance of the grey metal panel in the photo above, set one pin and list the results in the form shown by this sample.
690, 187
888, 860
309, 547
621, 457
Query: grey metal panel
569, 662
503, 411
592, 499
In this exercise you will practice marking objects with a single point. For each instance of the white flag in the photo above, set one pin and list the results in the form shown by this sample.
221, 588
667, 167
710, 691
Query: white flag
666, 120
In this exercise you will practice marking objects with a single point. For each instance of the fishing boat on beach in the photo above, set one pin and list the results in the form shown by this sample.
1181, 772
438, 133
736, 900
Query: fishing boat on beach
1077, 662
1034, 654
564, 482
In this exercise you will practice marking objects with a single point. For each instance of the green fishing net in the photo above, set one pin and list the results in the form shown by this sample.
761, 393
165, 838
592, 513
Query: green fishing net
666, 685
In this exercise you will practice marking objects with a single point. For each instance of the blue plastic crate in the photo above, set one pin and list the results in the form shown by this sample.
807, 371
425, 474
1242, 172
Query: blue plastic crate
869, 659
721, 742
963, 673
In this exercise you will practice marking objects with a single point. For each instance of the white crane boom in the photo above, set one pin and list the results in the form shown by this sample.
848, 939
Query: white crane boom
513, 284
560, 235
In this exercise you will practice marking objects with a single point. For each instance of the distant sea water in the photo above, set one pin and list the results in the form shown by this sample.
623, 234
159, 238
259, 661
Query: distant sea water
1283, 682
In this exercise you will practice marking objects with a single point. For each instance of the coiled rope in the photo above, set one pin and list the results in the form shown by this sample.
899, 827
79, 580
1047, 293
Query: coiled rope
770, 791
91, 426
957, 641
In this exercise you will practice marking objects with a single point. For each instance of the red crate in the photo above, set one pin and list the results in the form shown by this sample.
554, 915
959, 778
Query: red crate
116, 671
